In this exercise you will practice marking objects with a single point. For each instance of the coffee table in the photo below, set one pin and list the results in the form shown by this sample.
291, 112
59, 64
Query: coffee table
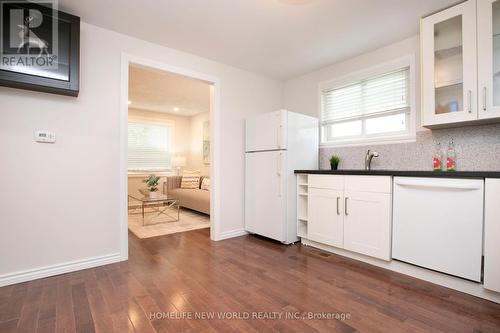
161, 204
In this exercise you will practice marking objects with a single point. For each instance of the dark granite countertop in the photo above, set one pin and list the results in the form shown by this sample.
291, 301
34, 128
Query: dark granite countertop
409, 173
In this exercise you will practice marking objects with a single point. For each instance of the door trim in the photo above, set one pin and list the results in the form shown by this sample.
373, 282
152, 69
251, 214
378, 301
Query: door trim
215, 156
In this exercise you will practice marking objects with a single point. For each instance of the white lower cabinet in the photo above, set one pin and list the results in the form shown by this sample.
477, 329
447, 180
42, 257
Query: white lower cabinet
492, 235
325, 223
351, 212
355, 213
367, 224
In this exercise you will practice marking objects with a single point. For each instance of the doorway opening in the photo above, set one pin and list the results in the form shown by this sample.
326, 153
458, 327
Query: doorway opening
168, 121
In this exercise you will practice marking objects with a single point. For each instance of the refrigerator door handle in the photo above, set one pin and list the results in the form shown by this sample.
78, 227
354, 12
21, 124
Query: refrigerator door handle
278, 166
278, 141
278, 130
278, 173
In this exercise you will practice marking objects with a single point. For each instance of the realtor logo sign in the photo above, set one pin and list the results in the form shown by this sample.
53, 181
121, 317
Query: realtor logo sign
28, 36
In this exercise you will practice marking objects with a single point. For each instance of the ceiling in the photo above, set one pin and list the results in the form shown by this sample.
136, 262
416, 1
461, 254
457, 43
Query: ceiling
154, 90
277, 38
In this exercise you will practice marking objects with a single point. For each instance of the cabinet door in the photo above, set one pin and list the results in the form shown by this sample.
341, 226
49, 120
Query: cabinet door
492, 235
449, 75
488, 42
325, 223
367, 223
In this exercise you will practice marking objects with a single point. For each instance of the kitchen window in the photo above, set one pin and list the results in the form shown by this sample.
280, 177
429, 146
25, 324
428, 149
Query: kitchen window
373, 106
148, 147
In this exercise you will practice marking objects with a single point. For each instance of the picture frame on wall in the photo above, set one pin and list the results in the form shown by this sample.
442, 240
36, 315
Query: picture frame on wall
206, 142
39, 47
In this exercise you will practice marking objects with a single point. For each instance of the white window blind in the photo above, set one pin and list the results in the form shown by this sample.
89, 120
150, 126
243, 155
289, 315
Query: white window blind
148, 146
372, 107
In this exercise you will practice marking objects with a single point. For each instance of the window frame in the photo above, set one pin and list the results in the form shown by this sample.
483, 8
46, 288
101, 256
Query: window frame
408, 135
170, 134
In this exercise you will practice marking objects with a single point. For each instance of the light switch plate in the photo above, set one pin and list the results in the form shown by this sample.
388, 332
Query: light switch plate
45, 137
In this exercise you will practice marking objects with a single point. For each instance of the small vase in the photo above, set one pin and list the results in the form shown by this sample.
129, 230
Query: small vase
334, 166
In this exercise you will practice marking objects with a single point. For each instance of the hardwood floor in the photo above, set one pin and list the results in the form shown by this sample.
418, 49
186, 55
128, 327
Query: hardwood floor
184, 273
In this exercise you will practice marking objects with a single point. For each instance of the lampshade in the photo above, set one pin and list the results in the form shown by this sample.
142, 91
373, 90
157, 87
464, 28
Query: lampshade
179, 161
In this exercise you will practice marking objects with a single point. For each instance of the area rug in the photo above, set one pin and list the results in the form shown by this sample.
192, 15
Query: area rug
188, 220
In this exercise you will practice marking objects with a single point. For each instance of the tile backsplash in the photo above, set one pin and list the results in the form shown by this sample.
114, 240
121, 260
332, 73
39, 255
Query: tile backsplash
477, 148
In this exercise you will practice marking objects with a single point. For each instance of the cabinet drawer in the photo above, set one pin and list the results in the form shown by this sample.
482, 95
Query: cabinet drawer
333, 182
378, 184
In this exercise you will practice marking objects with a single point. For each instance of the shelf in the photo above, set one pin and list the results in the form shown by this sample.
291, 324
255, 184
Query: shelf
302, 180
448, 53
448, 84
302, 228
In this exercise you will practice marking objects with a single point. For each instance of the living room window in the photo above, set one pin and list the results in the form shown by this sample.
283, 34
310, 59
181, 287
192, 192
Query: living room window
148, 147
371, 106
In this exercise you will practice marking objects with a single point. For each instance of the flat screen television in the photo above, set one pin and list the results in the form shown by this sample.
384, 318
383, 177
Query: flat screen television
39, 47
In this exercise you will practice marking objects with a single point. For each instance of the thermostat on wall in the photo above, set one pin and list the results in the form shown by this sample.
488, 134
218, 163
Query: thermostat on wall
45, 137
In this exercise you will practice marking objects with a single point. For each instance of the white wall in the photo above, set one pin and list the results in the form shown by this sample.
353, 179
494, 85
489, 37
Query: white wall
301, 94
59, 203
195, 157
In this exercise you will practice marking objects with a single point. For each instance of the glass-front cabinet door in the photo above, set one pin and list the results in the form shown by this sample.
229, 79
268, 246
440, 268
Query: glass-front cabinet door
449, 76
488, 34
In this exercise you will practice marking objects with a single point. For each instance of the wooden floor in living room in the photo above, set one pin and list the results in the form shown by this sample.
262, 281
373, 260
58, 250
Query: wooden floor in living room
248, 284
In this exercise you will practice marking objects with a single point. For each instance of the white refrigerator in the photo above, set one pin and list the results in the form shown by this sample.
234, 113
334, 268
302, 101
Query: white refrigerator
277, 143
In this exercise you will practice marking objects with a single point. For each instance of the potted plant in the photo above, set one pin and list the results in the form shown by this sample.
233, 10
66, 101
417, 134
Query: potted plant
152, 183
334, 162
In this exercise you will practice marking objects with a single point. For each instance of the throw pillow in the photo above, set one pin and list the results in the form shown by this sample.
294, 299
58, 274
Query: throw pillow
190, 179
205, 184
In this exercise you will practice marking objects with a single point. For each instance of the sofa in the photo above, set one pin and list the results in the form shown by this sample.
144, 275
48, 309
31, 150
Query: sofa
195, 199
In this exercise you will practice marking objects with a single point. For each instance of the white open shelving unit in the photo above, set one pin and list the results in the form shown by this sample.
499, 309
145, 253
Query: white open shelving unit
302, 201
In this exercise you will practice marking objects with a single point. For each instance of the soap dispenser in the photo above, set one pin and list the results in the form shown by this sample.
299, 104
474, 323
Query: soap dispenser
437, 158
451, 157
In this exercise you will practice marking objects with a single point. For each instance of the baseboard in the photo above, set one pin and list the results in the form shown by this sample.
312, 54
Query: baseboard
43, 272
231, 234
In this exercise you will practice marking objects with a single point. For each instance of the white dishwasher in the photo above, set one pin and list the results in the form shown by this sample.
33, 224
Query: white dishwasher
438, 224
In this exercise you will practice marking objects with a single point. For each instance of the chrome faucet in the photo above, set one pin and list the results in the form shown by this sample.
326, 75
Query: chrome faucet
368, 159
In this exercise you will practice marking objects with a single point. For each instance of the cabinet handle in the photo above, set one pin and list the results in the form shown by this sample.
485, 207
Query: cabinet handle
278, 166
484, 99
345, 206
469, 100
338, 204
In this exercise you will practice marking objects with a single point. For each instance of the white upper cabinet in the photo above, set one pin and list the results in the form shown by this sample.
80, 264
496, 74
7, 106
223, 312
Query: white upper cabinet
488, 42
449, 62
